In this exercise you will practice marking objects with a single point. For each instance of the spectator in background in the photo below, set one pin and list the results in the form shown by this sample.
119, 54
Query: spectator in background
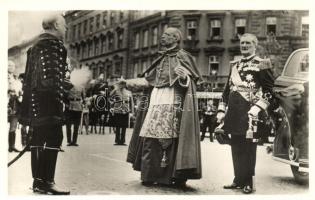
209, 120
15, 98
73, 114
121, 106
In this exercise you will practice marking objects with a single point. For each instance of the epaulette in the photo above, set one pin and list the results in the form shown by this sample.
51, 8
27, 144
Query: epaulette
233, 62
258, 58
263, 63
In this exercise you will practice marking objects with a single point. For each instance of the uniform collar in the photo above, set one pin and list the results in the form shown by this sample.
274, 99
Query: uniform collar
48, 36
248, 58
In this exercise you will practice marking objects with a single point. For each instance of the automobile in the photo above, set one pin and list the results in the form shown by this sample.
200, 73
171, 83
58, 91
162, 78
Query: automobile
290, 115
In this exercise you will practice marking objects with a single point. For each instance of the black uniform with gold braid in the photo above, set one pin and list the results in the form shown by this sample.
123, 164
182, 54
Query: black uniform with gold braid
250, 83
42, 107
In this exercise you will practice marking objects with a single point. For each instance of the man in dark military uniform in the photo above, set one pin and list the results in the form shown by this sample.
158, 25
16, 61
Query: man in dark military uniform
247, 94
209, 120
101, 101
42, 104
73, 112
122, 106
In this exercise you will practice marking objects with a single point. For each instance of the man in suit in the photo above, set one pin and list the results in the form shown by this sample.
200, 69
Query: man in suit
247, 94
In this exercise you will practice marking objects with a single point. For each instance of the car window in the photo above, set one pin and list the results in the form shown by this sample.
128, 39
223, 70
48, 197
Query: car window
298, 65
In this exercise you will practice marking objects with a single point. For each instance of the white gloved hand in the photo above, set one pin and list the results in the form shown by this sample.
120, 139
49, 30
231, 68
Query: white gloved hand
254, 110
220, 116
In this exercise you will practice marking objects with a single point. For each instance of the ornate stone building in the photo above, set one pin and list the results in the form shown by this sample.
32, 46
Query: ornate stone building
212, 37
99, 39
126, 42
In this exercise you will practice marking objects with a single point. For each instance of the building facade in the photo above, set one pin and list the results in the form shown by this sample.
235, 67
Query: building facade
99, 40
213, 38
126, 42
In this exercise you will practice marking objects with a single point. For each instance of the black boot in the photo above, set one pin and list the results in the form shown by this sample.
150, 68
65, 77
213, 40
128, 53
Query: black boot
75, 135
37, 164
12, 142
49, 185
23, 136
51, 188
117, 135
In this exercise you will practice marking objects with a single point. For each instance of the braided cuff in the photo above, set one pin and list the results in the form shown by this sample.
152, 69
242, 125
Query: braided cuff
222, 107
262, 104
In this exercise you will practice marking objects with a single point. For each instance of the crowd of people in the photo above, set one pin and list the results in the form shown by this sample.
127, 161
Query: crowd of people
165, 143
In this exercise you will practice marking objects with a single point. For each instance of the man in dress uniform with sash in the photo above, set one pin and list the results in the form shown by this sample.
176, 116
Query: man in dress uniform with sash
42, 105
247, 94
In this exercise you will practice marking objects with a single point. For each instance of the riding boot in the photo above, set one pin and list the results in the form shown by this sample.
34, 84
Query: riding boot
117, 135
23, 136
50, 167
37, 165
75, 133
12, 142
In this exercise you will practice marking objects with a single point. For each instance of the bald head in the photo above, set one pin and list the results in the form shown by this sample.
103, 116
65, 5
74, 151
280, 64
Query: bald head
55, 24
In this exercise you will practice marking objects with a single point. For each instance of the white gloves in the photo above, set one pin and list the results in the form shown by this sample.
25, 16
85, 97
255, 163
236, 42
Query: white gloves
220, 116
254, 110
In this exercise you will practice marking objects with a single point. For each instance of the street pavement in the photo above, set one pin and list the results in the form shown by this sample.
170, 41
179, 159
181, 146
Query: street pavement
97, 167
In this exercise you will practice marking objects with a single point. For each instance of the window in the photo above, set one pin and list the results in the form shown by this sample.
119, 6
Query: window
121, 15
84, 27
79, 30
144, 66
97, 47
145, 38
271, 23
90, 51
305, 26
118, 67
192, 30
101, 69
91, 24
155, 36
136, 39
215, 29
108, 70
240, 25
104, 19
135, 69
98, 19
74, 29
112, 18
164, 27
103, 44
85, 52
298, 65
78, 52
213, 65
110, 42
120, 39
94, 69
